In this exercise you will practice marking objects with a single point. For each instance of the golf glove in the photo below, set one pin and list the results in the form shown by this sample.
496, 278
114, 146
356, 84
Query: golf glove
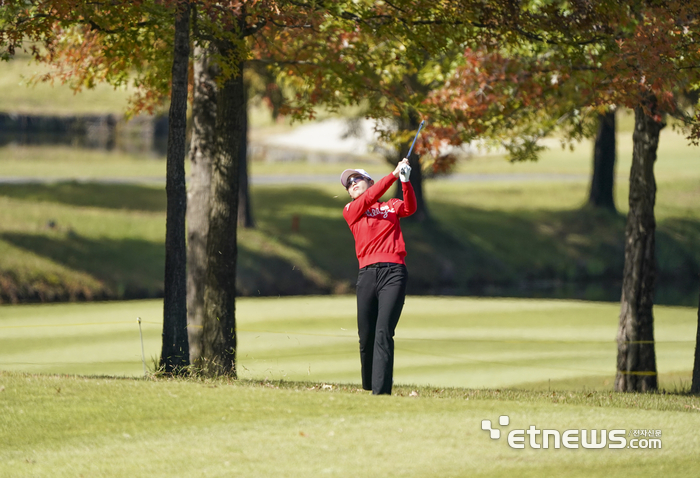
404, 173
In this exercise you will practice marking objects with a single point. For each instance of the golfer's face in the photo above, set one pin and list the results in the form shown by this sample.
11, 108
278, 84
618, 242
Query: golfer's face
358, 185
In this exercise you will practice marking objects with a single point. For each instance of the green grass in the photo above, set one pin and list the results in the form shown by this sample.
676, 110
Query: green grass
677, 160
297, 409
316, 420
71, 240
443, 342
78, 163
107, 241
23, 94
61, 426
505, 237
43, 98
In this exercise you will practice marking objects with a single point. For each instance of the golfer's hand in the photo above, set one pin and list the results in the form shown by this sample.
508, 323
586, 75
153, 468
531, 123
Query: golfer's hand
405, 173
401, 164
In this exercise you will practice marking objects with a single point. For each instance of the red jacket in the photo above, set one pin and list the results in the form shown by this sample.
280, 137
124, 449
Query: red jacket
375, 225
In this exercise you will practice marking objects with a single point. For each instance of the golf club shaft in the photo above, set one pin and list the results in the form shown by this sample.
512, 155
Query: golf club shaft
414, 139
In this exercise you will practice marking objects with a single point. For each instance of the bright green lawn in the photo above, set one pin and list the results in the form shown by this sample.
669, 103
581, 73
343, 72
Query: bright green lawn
456, 342
66, 427
82, 240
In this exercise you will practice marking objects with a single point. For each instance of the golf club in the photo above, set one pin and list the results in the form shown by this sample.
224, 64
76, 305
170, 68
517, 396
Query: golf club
414, 139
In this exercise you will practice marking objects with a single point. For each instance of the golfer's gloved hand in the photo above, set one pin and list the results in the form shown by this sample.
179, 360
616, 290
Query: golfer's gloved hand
404, 173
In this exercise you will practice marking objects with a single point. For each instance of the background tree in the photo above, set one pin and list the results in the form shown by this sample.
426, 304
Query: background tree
175, 352
636, 54
601, 192
695, 385
116, 34
201, 154
385, 57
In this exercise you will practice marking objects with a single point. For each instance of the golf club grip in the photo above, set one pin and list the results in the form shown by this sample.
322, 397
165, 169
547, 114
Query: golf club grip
415, 138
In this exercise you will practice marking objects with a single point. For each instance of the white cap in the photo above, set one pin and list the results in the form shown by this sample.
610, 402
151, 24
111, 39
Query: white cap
349, 172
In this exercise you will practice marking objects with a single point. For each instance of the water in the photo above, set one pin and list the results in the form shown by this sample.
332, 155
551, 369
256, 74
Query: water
141, 135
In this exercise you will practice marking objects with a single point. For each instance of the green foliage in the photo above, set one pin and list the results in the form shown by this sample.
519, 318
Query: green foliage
88, 44
556, 65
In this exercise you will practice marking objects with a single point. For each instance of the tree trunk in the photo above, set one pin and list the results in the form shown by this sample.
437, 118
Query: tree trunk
601, 194
219, 328
695, 387
245, 214
201, 153
175, 351
411, 123
636, 358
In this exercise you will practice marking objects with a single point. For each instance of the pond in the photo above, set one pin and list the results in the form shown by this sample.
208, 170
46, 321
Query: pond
140, 135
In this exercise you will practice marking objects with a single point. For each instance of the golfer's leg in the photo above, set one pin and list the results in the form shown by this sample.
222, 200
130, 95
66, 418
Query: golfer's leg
392, 293
366, 322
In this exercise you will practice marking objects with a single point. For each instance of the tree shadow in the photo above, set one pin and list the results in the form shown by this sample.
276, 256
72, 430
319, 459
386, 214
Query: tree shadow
259, 274
470, 251
109, 196
312, 223
461, 251
129, 268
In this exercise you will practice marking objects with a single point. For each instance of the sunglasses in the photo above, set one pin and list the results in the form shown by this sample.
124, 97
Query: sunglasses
354, 179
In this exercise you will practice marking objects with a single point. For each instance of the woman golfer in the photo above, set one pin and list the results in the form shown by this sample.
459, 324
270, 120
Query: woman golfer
381, 283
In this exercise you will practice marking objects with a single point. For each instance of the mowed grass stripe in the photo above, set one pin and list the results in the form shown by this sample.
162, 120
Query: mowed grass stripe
462, 342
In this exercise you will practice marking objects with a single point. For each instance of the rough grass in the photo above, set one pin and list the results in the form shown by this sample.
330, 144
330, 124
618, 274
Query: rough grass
62, 426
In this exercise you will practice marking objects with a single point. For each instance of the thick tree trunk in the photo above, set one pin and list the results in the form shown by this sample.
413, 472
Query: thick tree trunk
411, 123
695, 387
636, 357
175, 351
219, 328
245, 214
201, 153
601, 194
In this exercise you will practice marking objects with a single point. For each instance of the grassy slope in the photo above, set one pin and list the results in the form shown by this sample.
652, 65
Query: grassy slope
70, 240
65, 426
109, 238
43, 98
457, 342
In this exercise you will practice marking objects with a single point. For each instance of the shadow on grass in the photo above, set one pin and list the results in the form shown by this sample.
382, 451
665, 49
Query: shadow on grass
130, 268
319, 231
468, 251
108, 196
461, 251
261, 274
133, 269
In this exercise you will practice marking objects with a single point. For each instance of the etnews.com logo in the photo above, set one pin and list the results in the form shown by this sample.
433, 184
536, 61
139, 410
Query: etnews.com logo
537, 438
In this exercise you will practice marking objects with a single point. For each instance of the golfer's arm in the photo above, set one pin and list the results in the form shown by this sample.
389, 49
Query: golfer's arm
354, 210
409, 204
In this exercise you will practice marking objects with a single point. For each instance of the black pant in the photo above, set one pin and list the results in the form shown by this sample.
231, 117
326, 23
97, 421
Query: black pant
381, 291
